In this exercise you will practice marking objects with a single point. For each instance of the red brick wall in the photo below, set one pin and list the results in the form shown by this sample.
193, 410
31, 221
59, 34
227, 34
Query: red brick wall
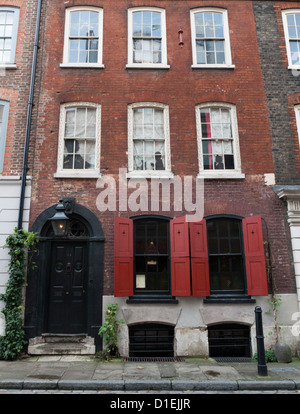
14, 86
181, 87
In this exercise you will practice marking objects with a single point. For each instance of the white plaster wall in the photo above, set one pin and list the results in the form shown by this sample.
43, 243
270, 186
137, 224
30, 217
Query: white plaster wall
9, 209
191, 317
295, 238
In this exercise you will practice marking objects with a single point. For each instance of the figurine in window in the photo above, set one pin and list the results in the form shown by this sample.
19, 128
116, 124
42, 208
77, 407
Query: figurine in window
68, 159
219, 163
158, 162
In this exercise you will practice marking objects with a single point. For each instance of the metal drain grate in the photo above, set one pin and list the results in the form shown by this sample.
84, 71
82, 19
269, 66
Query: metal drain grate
152, 359
232, 359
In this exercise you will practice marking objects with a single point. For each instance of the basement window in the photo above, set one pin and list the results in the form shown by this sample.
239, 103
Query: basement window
151, 340
229, 341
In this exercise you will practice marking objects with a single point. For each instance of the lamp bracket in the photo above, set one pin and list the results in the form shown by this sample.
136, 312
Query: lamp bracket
68, 203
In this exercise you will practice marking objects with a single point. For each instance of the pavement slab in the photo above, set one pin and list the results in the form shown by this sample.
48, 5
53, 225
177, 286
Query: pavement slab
90, 373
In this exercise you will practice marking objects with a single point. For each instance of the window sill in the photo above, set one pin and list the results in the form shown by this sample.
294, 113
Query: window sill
82, 66
230, 299
4, 66
213, 66
146, 66
77, 174
10, 177
150, 174
221, 175
156, 299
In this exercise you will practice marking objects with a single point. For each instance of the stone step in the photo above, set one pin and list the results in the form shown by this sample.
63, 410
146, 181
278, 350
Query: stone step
62, 344
64, 338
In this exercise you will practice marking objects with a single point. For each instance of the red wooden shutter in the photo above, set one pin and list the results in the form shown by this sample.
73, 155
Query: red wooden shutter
255, 256
199, 259
123, 257
180, 257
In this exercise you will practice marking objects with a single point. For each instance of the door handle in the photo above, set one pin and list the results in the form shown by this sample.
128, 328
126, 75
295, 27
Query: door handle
68, 268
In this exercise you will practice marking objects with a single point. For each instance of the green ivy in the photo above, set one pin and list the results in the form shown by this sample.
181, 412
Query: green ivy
20, 243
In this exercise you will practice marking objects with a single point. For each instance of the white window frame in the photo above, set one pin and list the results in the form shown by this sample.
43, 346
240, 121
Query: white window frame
16, 14
163, 64
66, 49
3, 131
220, 174
297, 115
287, 37
166, 173
78, 173
228, 61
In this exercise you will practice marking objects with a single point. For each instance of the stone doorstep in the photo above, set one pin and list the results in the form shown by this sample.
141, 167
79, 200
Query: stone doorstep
61, 344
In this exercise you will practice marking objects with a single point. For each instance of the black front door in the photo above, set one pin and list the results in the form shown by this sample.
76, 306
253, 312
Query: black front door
67, 288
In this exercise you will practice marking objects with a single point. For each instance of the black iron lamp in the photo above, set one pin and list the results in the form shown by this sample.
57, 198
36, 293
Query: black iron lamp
60, 221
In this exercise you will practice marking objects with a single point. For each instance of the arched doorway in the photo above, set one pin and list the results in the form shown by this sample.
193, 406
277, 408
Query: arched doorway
64, 291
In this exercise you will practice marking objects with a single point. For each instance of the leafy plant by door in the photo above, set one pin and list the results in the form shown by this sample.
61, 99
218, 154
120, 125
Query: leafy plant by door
20, 244
109, 331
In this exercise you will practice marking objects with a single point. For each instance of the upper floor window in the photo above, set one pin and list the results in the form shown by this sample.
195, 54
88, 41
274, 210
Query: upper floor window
210, 38
83, 37
148, 139
218, 143
79, 140
297, 113
4, 106
9, 19
147, 38
291, 24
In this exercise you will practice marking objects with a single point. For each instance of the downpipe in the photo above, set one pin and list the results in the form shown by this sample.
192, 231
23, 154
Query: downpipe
29, 116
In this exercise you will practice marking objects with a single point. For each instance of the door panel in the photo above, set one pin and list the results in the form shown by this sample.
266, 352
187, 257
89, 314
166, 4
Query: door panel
67, 288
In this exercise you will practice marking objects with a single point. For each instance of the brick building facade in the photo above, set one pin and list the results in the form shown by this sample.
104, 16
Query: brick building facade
17, 26
132, 93
280, 71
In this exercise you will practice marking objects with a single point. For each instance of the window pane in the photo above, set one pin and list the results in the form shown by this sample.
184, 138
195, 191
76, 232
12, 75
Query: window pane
210, 57
146, 30
218, 19
93, 57
225, 256
229, 162
219, 32
292, 32
219, 163
200, 31
220, 58
291, 19
137, 30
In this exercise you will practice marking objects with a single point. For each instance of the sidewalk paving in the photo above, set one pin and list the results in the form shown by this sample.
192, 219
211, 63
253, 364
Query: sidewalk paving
88, 373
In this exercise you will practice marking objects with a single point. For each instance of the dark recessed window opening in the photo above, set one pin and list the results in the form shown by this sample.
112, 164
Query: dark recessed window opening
226, 265
229, 340
151, 340
151, 265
